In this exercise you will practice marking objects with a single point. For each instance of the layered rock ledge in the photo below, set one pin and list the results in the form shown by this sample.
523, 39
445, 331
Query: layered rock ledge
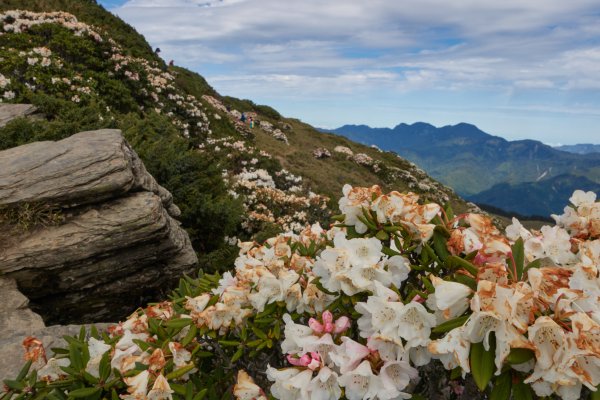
117, 244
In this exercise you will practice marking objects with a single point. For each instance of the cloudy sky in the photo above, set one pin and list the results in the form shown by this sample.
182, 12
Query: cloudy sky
517, 69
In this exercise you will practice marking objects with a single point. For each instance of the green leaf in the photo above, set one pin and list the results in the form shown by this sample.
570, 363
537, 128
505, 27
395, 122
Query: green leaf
457, 262
91, 379
239, 353
427, 283
382, 235
451, 324
229, 343
482, 364
179, 322
259, 333
204, 354
180, 372
392, 228
466, 280
200, 394
94, 332
534, 264
339, 217
190, 335
319, 285
104, 367
439, 245
142, 344
24, 371
455, 373
83, 393
519, 356
518, 252
389, 252
502, 387
14, 385
522, 391
449, 211
595, 395
75, 357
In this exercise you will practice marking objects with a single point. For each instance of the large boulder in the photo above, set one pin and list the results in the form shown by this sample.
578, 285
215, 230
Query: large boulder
117, 244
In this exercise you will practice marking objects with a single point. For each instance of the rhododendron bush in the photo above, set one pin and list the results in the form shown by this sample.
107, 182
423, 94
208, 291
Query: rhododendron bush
353, 312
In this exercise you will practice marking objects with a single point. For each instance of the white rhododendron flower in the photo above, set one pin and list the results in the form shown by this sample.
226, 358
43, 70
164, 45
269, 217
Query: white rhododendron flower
451, 298
361, 383
96, 349
452, 350
246, 389
137, 385
51, 371
414, 324
160, 390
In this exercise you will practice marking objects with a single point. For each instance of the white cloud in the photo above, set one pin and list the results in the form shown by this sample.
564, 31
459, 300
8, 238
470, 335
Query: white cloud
309, 47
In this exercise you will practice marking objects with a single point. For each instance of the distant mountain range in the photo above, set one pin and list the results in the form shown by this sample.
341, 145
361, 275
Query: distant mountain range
584, 148
486, 168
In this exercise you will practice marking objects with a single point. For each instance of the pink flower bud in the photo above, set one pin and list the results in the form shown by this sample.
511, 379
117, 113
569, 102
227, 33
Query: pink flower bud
327, 317
315, 325
315, 355
341, 324
329, 327
418, 299
480, 259
299, 362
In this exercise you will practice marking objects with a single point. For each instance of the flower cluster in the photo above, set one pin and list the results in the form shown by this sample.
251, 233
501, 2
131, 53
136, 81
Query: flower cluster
17, 21
324, 361
43, 68
127, 351
392, 286
266, 203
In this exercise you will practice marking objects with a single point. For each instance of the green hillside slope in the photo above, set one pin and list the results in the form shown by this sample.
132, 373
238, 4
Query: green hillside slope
94, 71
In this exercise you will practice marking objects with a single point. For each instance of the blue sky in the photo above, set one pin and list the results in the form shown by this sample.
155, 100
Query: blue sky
517, 69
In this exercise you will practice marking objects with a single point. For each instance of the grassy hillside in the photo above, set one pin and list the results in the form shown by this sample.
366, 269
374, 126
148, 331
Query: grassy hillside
229, 180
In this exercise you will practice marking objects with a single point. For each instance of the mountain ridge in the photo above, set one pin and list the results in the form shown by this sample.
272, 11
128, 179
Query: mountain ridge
580, 148
452, 153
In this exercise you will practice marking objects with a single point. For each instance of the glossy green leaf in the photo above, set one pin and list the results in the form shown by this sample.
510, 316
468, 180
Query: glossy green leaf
84, 393
502, 387
201, 394
439, 245
519, 356
239, 353
482, 364
178, 373
457, 262
522, 391
179, 322
451, 324
190, 335
518, 253
23, 373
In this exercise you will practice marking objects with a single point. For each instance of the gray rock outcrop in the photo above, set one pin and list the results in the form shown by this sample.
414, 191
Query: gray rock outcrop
19, 322
8, 112
118, 244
